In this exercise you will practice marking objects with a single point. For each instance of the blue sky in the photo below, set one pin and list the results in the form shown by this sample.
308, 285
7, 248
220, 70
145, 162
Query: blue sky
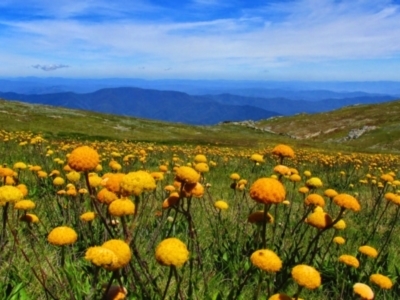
201, 39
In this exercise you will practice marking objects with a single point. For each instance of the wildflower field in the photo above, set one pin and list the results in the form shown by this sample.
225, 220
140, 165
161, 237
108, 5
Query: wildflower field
125, 220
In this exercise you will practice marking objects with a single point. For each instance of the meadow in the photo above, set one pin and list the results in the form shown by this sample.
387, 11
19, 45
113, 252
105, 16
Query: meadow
117, 219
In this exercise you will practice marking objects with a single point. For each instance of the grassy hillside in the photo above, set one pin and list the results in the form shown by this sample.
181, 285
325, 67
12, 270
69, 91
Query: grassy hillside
381, 122
67, 123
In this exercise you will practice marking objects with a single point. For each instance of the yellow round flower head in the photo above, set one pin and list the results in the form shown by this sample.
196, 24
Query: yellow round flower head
319, 220
368, 251
73, 176
61, 236
200, 158
282, 170
24, 205
295, 178
363, 290
29, 218
202, 167
58, 181
172, 252
340, 225
314, 199
87, 216
283, 151
112, 181
105, 196
349, 260
221, 205
382, 281
280, 296
307, 173
306, 276
101, 257
83, 159
122, 250
314, 183
23, 188
20, 166
10, 194
339, 240
268, 191
121, 207
330, 193
135, 183
347, 201
257, 158
172, 200
235, 176
266, 260
186, 174
303, 190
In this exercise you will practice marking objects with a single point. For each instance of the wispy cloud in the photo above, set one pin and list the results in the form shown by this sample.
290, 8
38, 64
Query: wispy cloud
49, 67
273, 36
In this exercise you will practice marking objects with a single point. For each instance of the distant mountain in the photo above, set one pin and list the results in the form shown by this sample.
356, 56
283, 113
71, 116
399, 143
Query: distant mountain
150, 104
294, 90
285, 106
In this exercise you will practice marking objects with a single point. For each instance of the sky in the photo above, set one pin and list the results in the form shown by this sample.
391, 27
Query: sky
349, 40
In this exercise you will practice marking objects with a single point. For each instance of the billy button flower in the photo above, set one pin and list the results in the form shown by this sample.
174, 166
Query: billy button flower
29, 218
349, 260
221, 205
314, 199
185, 174
62, 236
305, 276
105, 196
87, 216
101, 257
257, 217
314, 183
200, 158
364, 291
283, 151
172, 200
266, 260
368, 251
121, 250
121, 207
319, 219
339, 240
112, 181
135, 183
24, 205
346, 201
83, 159
382, 281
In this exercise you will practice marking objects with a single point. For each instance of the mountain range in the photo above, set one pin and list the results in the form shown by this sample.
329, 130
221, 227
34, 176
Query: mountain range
224, 102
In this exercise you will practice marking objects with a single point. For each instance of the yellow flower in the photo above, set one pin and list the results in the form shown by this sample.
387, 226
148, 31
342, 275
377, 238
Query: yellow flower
268, 191
200, 158
314, 199
121, 207
10, 194
73, 176
319, 220
307, 173
266, 260
295, 178
87, 216
382, 281
29, 218
122, 250
62, 235
201, 167
340, 225
83, 159
283, 151
234, 176
339, 240
347, 201
135, 183
172, 200
330, 193
24, 205
349, 260
101, 257
186, 174
20, 166
221, 205
172, 252
280, 297
282, 170
368, 250
303, 190
314, 182
116, 293
105, 196
58, 181
112, 181
23, 188
257, 158
306, 276
364, 291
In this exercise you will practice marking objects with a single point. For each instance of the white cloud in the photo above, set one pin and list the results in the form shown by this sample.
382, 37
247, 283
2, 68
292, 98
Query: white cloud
274, 36
49, 67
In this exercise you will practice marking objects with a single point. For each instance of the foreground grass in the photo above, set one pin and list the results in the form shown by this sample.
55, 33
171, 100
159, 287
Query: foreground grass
220, 242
